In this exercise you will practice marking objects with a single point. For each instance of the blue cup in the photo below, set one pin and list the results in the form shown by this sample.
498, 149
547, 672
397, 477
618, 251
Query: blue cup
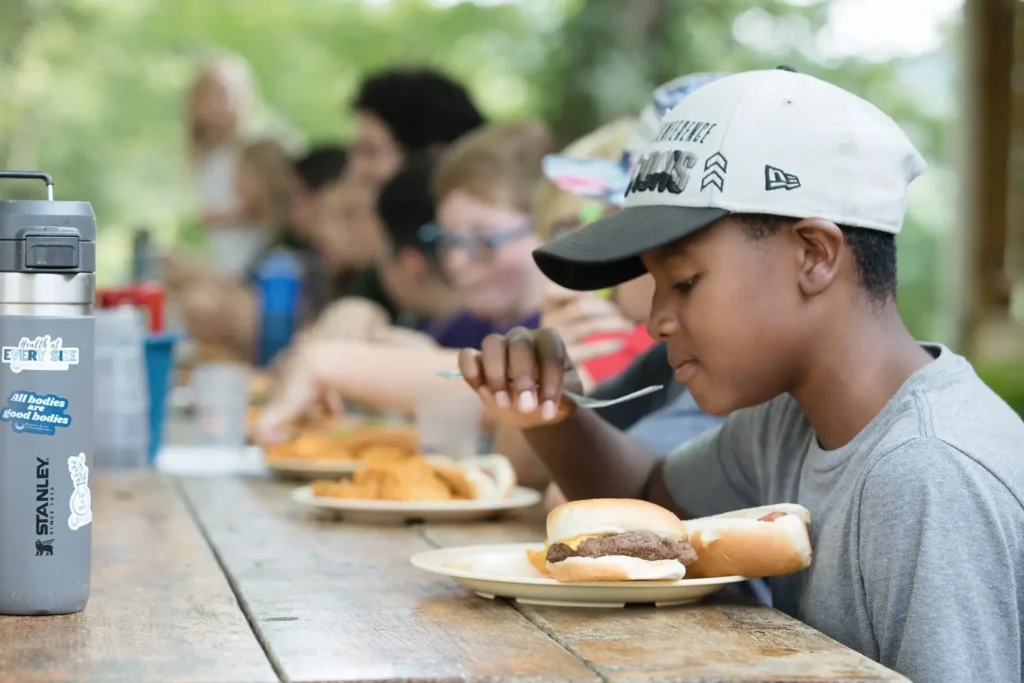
278, 288
159, 372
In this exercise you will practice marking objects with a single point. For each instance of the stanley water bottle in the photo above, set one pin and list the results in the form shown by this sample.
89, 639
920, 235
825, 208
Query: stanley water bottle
47, 266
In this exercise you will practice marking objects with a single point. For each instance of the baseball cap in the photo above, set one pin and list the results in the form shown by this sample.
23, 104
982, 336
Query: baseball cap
607, 179
769, 142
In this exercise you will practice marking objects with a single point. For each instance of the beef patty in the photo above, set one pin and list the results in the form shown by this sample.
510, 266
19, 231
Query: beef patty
645, 545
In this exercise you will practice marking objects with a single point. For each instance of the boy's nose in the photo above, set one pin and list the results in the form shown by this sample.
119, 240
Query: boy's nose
662, 323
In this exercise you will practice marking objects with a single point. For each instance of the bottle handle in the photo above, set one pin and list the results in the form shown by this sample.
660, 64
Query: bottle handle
39, 175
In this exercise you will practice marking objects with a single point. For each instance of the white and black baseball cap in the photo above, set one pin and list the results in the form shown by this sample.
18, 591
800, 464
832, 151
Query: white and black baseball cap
767, 142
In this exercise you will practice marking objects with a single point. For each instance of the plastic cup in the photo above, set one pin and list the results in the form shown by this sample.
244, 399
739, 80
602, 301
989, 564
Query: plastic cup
221, 392
448, 423
159, 370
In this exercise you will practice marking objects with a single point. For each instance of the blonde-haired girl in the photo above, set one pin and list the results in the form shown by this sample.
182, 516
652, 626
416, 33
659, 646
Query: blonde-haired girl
218, 104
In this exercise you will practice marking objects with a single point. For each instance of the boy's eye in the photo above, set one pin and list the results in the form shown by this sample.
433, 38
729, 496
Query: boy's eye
686, 285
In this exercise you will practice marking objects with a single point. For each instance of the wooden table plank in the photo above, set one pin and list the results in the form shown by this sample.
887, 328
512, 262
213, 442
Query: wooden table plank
714, 641
340, 602
706, 642
160, 609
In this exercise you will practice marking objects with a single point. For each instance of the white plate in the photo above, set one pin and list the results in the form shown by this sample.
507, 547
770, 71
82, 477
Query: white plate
298, 467
377, 511
504, 571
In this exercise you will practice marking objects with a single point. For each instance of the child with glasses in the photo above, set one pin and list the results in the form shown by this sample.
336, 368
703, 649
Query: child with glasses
484, 239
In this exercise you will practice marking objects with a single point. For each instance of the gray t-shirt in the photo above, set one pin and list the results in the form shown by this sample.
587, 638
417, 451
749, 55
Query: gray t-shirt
917, 524
662, 420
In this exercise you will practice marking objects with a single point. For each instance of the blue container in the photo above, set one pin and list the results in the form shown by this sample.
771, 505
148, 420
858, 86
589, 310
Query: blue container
278, 288
159, 370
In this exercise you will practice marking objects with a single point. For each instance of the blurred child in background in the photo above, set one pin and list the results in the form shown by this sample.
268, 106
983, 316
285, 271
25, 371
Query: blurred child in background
315, 170
320, 166
400, 112
265, 185
220, 309
347, 234
217, 106
483, 188
405, 290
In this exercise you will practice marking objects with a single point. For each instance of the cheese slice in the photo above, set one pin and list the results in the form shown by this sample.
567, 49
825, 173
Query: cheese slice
574, 542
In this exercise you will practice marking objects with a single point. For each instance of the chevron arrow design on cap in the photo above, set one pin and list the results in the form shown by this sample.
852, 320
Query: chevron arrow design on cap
713, 178
716, 166
716, 160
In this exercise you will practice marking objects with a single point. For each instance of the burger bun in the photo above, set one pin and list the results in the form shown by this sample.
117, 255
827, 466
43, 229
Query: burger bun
615, 568
607, 516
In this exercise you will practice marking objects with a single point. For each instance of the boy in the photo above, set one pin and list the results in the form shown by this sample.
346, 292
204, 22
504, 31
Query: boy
766, 211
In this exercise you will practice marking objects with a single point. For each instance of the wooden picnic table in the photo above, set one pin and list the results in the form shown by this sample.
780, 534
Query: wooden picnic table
224, 580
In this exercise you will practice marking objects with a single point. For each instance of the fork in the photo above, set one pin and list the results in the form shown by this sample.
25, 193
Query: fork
582, 401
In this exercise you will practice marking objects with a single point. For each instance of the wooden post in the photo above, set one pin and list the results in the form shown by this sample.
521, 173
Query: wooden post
1015, 169
990, 27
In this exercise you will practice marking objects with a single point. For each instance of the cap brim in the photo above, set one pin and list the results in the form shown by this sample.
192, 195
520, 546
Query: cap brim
607, 252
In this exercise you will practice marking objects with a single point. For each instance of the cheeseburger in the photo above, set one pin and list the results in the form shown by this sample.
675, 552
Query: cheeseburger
614, 539
629, 540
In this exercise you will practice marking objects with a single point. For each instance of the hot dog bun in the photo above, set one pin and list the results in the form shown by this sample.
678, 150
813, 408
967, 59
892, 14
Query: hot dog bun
739, 543
489, 477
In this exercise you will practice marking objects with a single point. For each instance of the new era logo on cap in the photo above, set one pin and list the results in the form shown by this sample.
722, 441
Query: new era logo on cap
777, 179
768, 142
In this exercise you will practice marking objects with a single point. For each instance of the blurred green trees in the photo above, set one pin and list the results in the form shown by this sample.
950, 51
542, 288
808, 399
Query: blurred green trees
91, 90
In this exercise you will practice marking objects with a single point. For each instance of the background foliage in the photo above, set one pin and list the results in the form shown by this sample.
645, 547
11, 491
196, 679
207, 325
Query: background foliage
91, 90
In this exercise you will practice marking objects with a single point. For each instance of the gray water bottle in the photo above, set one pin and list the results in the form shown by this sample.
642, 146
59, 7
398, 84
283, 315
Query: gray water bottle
47, 287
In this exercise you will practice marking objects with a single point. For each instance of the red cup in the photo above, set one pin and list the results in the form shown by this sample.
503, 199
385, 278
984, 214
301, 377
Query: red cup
147, 296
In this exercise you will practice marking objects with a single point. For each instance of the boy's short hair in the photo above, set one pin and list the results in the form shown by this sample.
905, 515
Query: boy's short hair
421, 107
321, 165
500, 164
406, 203
874, 251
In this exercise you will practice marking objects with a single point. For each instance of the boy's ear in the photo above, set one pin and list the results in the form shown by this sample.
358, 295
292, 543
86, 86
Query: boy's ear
821, 245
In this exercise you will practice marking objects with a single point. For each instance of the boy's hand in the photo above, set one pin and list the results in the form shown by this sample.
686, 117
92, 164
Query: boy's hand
521, 376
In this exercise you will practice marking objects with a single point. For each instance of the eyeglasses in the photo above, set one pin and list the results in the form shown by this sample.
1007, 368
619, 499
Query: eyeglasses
479, 246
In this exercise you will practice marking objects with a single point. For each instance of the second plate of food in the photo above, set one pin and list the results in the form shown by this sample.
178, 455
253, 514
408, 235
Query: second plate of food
427, 488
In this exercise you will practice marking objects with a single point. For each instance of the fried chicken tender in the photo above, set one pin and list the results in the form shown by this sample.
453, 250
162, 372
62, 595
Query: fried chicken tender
370, 444
409, 479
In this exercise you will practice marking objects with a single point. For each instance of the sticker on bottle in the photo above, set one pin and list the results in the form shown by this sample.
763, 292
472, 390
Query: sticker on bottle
81, 497
41, 353
30, 413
